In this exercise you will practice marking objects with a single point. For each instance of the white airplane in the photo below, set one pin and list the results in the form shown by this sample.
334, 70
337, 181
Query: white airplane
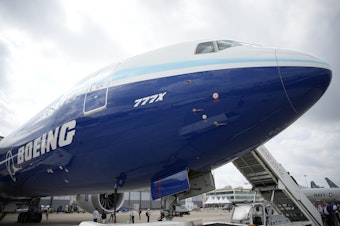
162, 120
328, 195
317, 193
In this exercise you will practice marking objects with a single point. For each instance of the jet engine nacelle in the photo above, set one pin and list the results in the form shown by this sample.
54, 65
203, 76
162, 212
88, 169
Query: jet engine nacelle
106, 201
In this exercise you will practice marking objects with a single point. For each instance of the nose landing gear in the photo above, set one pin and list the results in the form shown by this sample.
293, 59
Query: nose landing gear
33, 214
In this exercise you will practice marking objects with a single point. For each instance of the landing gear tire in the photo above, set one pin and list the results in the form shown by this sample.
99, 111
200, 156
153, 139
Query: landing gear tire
36, 217
29, 217
23, 217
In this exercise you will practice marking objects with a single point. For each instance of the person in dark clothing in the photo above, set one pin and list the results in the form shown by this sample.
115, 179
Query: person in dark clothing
103, 217
140, 212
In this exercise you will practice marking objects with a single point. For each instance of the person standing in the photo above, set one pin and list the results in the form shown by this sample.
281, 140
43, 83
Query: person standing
139, 213
47, 212
103, 217
148, 215
95, 215
111, 217
132, 216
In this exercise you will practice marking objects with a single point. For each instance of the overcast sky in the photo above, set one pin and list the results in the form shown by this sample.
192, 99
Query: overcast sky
47, 46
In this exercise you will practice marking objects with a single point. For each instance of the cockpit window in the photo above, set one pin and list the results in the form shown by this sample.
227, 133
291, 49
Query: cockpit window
214, 46
223, 44
205, 47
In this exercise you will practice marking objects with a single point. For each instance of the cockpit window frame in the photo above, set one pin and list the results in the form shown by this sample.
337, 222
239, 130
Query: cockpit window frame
201, 49
216, 46
221, 44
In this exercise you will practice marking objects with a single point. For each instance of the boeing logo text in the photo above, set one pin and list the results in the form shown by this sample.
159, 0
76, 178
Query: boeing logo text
59, 137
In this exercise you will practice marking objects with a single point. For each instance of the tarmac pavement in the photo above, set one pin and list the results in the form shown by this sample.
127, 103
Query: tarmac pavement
71, 219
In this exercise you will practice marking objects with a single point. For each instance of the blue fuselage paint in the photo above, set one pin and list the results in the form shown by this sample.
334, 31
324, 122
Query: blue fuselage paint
157, 114
158, 137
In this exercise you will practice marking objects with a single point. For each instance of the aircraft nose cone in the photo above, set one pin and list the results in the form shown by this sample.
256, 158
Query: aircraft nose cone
305, 78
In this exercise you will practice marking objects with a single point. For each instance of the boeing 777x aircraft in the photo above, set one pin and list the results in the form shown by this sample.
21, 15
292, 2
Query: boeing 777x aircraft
163, 119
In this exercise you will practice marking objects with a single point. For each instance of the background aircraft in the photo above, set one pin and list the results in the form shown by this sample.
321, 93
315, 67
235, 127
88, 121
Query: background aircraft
317, 193
331, 183
328, 195
163, 120
314, 185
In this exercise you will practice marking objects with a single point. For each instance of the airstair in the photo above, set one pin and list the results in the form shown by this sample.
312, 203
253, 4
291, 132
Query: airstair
273, 182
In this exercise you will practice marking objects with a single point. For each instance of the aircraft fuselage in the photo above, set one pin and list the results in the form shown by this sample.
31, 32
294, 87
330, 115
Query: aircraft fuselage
158, 113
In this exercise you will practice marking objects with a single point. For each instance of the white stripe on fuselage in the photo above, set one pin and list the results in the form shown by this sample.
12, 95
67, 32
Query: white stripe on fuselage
213, 67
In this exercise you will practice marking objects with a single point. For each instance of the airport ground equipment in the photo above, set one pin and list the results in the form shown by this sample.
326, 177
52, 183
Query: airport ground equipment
276, 186
255, 213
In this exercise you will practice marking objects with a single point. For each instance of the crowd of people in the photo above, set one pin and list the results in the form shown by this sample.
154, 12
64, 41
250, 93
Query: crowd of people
329, 213
97, 217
